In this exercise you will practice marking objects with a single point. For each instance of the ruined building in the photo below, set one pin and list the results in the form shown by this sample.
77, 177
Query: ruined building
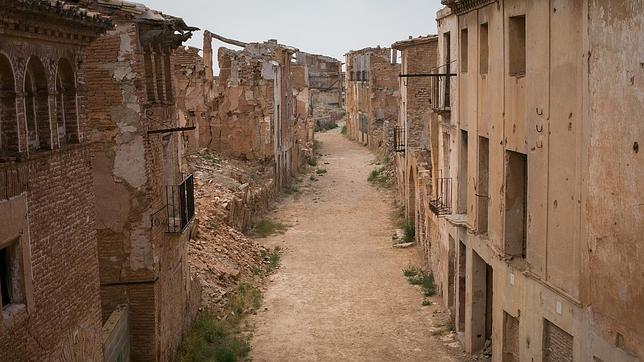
535, 221
48, 264
412, 141
325, 84
144, 203
372, 94
257, 109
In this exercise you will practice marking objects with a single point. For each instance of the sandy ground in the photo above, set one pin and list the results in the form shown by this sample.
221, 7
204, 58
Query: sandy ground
339, 294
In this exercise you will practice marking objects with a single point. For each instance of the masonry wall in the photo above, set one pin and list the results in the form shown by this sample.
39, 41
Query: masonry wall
554, 114
50, 213
372, 99
139, 264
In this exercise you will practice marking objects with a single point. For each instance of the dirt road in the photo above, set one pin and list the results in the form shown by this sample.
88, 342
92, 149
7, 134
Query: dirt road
339, 294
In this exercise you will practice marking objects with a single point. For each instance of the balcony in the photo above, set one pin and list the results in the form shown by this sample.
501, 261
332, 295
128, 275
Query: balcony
442, 205
399, 139
180, 205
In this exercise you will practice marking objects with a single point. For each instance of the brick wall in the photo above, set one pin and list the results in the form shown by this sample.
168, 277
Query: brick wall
420, 58
65, 321
557, 344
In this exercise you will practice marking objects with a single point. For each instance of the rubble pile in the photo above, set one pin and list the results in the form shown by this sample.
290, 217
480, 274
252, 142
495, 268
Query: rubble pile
220, 254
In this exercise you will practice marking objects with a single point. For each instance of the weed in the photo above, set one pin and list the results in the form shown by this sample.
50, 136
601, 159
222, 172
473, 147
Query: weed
450, 326
410, 233
325, 127
417, 276
378, 176
214, 339
374, 174
274, 259
316, 145
313, 161
411, 271
211, 158
425, 303
289, 189
320, 171
213, 225
268, 227
313, 178
344, 130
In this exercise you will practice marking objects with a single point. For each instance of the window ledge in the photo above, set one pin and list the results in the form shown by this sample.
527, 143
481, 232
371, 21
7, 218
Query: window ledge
13, 314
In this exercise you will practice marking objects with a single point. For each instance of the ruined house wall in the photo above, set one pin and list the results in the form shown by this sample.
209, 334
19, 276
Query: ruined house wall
612, 194
193, 94
138, 263
46, 198
325, 85
554, 113
243, 120
372, 97
419, 56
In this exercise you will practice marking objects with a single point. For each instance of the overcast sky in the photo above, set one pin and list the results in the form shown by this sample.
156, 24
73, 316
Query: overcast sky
329, 27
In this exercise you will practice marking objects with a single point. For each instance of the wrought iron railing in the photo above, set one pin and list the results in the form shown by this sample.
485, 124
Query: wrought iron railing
180, 204
399, 139
442, 204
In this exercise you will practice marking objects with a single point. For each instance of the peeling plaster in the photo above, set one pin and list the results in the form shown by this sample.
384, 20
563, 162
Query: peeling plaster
140, 249
129, 162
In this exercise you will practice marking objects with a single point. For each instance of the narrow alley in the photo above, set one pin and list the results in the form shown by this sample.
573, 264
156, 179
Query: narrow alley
340, 293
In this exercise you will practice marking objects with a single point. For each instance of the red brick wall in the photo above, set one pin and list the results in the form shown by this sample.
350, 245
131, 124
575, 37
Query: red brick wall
65, 318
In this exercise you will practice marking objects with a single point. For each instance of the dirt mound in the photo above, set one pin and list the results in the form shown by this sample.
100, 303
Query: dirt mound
220, 255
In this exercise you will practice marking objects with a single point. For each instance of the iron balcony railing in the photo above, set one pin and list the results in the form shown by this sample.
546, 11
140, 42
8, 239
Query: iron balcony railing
399, 139
442, 205
180, 204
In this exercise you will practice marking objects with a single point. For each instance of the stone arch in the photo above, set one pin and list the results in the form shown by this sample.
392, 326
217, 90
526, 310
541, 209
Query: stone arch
66, 111
37, 106
9, 135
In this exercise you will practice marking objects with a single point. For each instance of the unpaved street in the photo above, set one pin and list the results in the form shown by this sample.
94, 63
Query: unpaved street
339, 294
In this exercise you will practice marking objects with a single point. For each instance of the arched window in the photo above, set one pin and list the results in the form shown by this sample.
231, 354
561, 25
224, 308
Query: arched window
37, 106
66, 115
8, 119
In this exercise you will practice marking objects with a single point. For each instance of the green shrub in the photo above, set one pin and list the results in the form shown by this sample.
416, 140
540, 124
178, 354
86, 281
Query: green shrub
344, 130
320, 171
313, 161
410, 233
268, 227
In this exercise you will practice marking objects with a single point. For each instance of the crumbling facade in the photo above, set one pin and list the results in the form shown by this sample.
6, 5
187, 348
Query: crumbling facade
372, 93
144, 203
534, 224
325, 87
48, 261
413, 144
257, 109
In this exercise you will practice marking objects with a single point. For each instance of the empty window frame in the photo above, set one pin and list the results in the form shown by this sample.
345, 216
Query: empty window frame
464, 45
11, 282
516, 203
482, 192
510, 338
462, 174
517, 49
484, 50
557, 343
8, 116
